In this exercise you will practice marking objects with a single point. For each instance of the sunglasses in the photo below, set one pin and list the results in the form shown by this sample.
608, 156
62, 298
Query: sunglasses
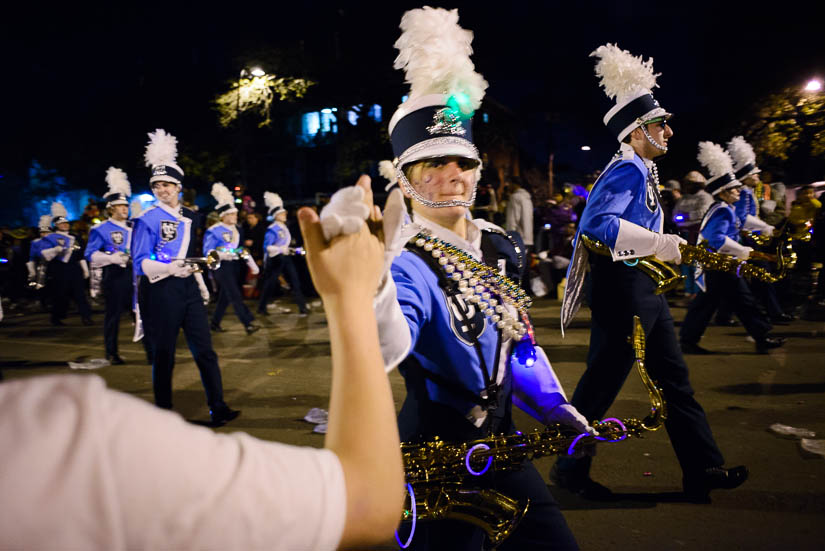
463, 163
661, 121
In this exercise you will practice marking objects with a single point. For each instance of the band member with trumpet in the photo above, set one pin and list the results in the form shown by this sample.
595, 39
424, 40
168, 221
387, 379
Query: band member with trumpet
67, 269
278, 254
623, 212
171, 292
720, 230
108, 251
225, 238
450, 312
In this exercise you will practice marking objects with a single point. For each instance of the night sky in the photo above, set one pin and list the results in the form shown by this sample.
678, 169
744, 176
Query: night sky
82, 86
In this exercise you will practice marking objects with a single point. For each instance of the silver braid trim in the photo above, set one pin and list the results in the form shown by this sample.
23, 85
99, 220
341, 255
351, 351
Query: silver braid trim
653, 142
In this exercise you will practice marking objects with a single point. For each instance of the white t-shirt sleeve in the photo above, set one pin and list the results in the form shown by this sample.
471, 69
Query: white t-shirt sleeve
107, 470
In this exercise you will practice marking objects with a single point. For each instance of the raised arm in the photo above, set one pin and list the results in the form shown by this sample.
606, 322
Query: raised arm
362, 429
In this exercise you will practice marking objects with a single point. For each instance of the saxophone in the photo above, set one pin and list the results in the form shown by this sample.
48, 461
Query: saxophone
439, 474
667, 278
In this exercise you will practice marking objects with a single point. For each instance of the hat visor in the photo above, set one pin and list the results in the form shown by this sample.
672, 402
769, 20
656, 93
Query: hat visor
440, 147
733, 184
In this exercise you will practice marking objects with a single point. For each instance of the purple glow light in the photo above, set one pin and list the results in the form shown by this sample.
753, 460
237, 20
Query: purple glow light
412, 530
470, 453
739, 269
618, 422
575, 441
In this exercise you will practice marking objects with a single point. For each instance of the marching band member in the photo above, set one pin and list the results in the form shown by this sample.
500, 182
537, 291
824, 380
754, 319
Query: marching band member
36, 266
108, 250
278, 258
67, 269
720, 229
225, 238
623, 212
449, 315
171, 294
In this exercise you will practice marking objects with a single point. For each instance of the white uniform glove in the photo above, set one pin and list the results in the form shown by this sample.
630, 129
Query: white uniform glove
755, 224
179, 268
253, 267
85, 267
566, 414
30, 268
667, 247
120, 258
345, 212
733, 248
202, 287
274, 250
225, 256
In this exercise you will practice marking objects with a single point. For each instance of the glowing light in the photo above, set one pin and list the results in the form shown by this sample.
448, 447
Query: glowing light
326, 110
470, 453
679, 217
414, 514
257, 72
461, 106
547, 226
585, 148
813, 85
572, 447
146, 197
3, 260
621, 426
632, 263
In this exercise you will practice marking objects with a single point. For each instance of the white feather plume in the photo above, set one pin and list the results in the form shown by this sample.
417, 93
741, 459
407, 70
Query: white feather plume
741, 151
272, 200
45, 221
387, 170
434, 52
118, 182
59, 210
714, 158
162, 149
623, 74
222, 194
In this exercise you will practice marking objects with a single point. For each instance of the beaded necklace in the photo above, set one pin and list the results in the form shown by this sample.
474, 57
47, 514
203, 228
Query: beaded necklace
481, 285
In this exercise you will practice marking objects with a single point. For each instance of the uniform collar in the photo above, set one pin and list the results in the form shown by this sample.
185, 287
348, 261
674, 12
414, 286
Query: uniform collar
123, 224
176, 212
471, 245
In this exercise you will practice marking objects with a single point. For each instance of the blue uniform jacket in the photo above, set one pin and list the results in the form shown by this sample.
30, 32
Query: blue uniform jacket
721, 221
62, 240
277, 234
36, 246
108, 237
746, 205
161, 235
221, 237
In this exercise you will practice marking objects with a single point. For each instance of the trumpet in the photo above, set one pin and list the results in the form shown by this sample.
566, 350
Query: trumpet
241, 253
212, 261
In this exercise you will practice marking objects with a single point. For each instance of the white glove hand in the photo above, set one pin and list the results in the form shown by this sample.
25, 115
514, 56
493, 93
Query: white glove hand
121, 259
31, 269
667, 247
179, 268
345, 212
768, 231
566, 414
253, 267
744, 253
49, 254
225, 256
85, 267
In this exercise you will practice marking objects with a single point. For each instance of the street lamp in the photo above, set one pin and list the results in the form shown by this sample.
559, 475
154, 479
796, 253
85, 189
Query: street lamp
813, 85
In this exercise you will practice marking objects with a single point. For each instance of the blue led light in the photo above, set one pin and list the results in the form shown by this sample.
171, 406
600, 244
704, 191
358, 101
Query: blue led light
525, 352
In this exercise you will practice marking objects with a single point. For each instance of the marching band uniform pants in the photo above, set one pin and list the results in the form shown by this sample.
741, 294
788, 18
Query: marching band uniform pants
117, 292
67, 281
274, 267
228, 276
165, 307
723, 286
618, 293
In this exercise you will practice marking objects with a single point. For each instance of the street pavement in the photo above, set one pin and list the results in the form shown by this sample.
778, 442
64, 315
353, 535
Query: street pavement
277, 374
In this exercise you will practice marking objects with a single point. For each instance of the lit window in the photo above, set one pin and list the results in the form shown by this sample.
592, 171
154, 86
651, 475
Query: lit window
310, 124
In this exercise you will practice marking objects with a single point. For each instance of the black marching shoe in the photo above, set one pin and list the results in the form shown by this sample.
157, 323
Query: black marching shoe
216, 327
730, 322
782, 319
585, 486
222, 415
690, 348
766, 343
251, 328
697, 486
114, 359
